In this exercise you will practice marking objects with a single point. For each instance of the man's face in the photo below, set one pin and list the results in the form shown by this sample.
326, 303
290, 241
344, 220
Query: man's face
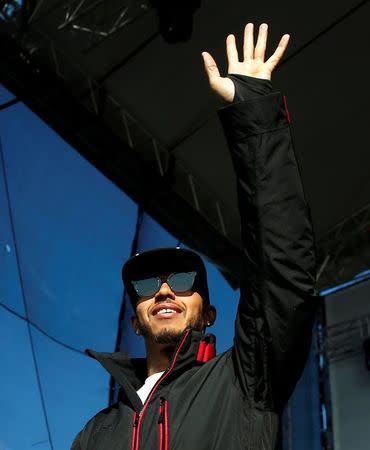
164, 316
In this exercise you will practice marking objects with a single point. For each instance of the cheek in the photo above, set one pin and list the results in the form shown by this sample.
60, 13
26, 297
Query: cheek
194, 310
194, 306
142, 311
140, 316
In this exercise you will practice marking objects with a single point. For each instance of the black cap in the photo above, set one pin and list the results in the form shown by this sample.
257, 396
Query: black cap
161, 261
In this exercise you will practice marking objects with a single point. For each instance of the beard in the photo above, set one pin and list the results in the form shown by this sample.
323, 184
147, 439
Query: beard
168, 336
165, 336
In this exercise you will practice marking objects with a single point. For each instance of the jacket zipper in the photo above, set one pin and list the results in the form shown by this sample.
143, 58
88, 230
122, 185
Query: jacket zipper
160, 422
134, 430
166, 439
163, 424
138, 418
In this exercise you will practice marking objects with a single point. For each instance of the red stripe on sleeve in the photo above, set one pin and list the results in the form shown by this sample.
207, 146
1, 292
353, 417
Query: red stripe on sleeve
288, 116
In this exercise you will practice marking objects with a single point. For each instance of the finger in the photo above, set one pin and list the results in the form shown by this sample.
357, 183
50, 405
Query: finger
210, 67
277, 55
248, 49
260, 49
232, 52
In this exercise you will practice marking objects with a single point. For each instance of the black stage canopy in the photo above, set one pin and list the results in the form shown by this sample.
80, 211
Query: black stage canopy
140, 109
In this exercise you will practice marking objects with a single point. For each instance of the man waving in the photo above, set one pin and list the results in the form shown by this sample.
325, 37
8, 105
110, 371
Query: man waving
183, 396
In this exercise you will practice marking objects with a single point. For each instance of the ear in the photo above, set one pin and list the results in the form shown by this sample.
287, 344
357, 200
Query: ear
210, 315
135, 325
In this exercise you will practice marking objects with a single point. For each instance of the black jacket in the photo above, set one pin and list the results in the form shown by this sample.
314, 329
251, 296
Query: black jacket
234, 400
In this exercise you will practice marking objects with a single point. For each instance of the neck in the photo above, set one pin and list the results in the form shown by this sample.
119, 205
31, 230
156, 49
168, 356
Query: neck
158, 356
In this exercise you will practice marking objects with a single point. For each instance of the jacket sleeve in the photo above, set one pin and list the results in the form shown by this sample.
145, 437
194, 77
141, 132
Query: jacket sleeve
278, 300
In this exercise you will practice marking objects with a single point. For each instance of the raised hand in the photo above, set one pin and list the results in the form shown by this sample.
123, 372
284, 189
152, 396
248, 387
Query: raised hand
253, 63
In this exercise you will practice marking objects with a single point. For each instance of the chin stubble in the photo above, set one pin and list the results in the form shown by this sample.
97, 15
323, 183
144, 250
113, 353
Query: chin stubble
167, 335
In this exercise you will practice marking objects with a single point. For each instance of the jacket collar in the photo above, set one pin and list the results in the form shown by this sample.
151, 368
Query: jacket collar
134, 370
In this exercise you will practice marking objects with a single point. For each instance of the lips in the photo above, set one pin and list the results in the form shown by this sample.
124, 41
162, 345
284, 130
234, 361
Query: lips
166, 309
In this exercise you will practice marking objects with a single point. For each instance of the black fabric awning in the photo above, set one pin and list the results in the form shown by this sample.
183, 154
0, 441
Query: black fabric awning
140, 110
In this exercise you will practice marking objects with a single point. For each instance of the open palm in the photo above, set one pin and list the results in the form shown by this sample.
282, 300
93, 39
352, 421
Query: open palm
253, 63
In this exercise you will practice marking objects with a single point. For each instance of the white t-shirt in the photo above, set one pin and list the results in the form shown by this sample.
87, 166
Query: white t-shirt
145, 389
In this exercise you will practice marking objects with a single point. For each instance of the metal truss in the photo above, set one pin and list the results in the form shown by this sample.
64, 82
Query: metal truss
94, 17
345, 339
336, 343
97, 18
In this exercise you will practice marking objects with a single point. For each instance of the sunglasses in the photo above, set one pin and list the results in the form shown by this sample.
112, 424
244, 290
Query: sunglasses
179, 282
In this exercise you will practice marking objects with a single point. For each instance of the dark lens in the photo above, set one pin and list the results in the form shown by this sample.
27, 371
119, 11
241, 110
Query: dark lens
147, 287
181, 281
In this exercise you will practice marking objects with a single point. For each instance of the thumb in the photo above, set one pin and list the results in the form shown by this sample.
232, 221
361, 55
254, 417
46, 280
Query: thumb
211, 68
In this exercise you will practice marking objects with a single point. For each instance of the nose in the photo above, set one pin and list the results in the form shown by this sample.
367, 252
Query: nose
164, 292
